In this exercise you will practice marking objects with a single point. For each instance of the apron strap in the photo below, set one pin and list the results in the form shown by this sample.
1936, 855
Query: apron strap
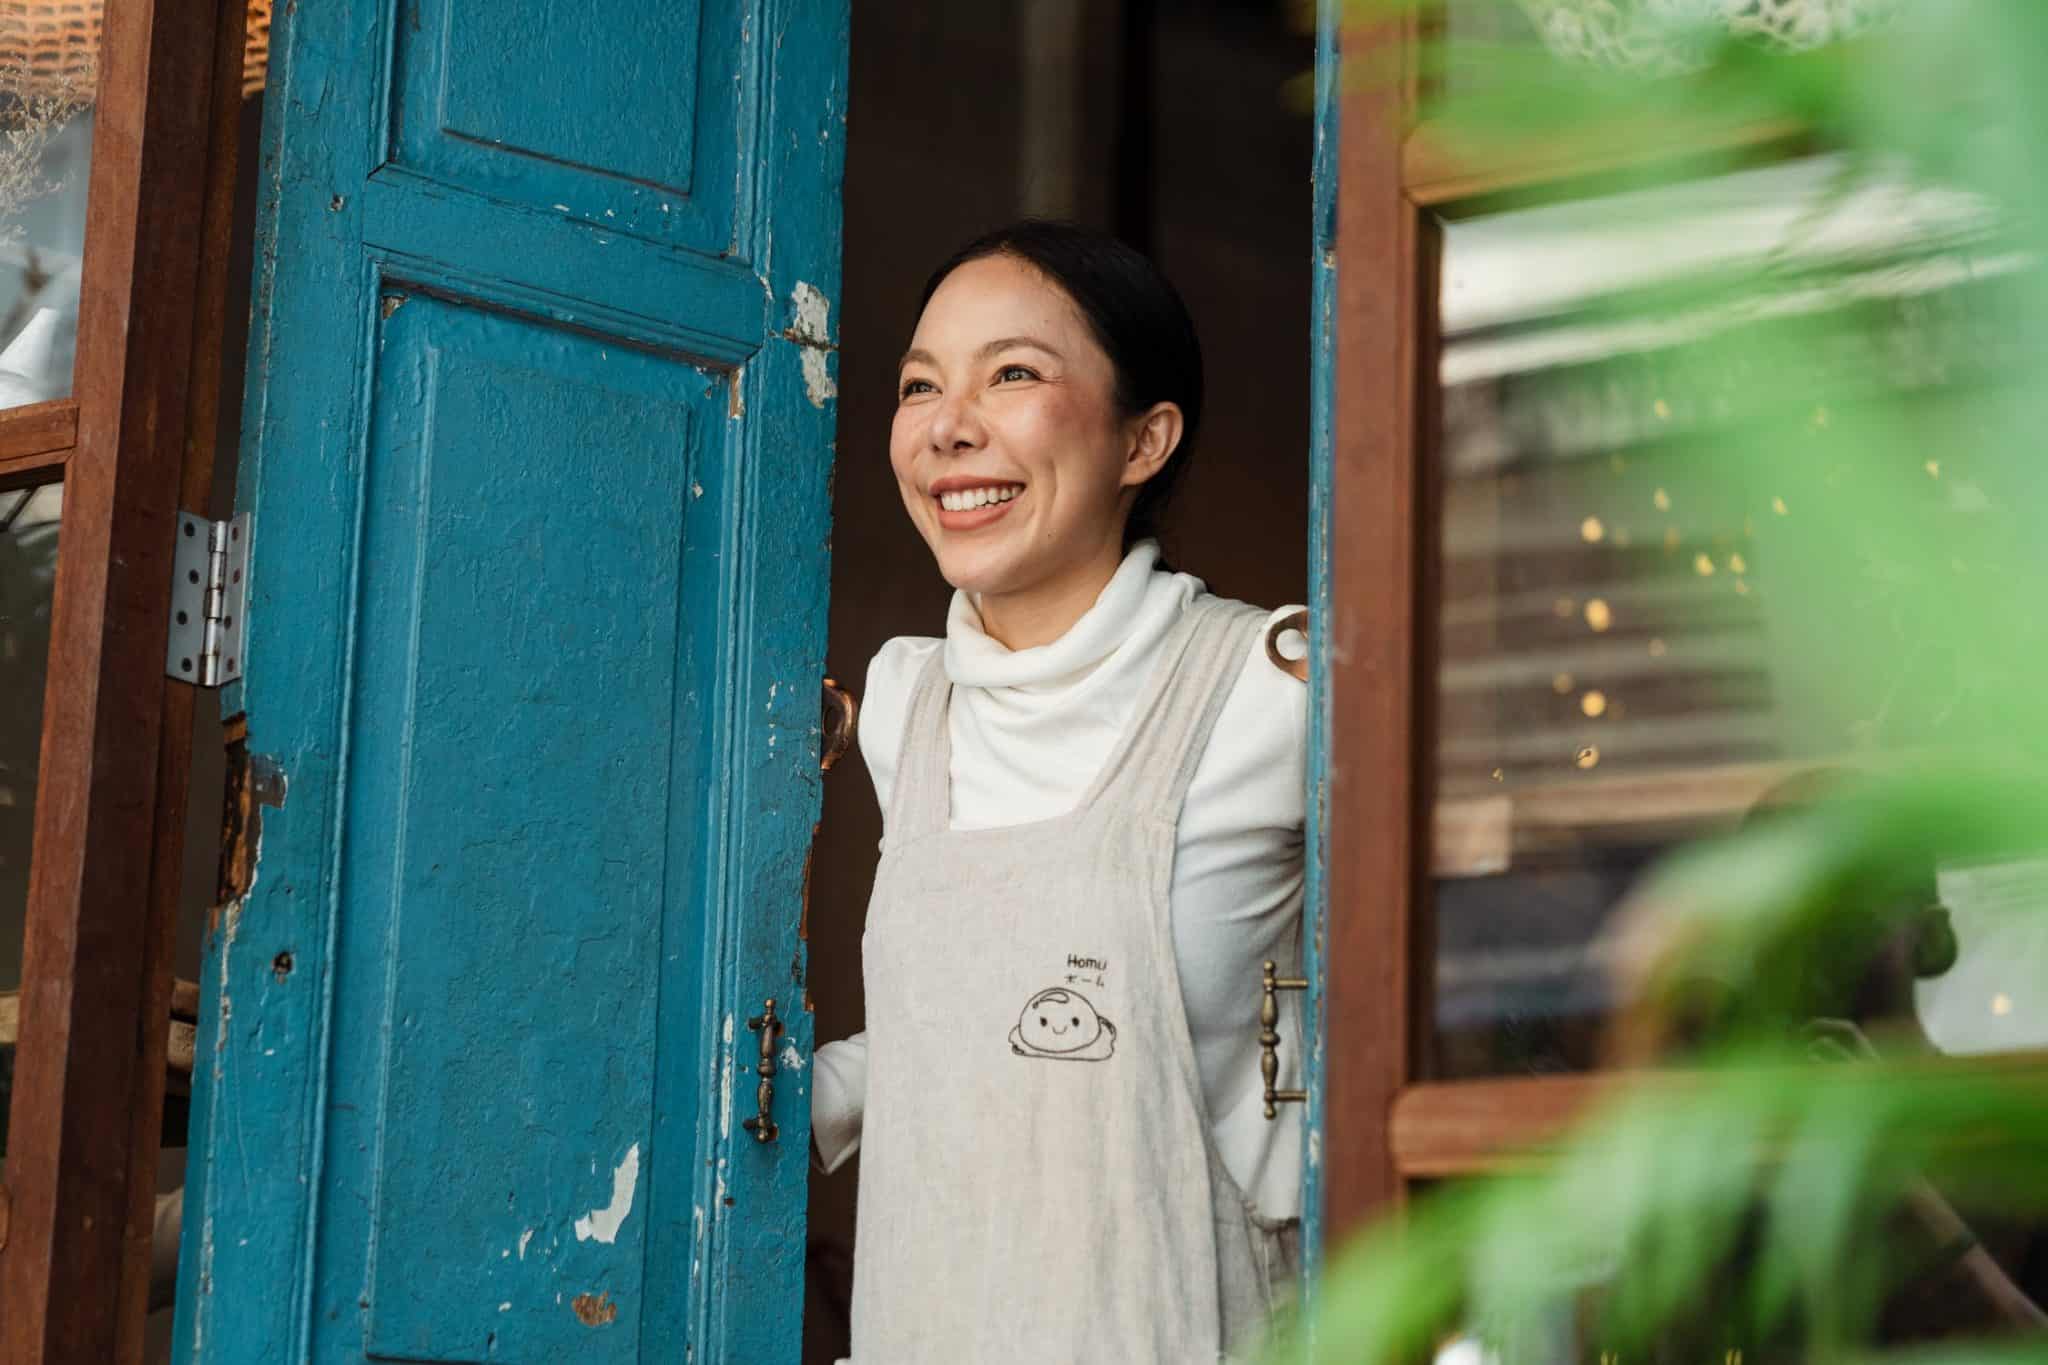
923, 800
1151, 765
1169, 731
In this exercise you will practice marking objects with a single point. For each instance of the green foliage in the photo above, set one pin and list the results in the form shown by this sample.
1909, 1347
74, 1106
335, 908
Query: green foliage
1755, 1199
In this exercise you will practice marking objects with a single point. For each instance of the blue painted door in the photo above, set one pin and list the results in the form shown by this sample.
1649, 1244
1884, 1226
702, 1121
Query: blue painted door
539, 430
1322, 452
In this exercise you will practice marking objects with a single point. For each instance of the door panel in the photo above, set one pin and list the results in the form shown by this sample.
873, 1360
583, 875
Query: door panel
518, 853
625, 125
536, 631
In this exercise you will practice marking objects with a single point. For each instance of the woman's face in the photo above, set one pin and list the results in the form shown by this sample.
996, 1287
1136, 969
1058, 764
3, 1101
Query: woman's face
1012, 457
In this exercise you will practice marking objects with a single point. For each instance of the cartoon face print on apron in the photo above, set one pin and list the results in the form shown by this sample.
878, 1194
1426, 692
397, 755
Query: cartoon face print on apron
1061, 1025
1037, 1177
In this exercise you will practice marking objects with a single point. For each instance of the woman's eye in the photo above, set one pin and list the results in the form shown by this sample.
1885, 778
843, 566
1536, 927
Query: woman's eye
1009, 372
912, 387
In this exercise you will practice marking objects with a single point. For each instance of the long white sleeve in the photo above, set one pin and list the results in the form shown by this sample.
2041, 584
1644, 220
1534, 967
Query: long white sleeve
839, 1093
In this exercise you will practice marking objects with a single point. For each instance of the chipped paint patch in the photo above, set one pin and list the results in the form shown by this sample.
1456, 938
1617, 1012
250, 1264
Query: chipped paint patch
725, 1085
792, 1060
229, 933
524, 1238
603, 1224
818, 385
595, 1310
1315, 1147
813, 313
205, 1282
254, 781
812, 331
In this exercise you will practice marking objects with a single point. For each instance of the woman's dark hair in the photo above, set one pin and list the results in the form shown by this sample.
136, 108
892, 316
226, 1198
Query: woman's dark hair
1138, 319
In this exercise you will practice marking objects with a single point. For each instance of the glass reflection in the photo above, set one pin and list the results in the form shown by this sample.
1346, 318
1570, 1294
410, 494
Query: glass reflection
28, 569
1613, 676
47, 69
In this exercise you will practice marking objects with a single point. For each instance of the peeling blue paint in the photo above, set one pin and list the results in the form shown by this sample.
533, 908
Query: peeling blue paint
1322, 431
536, 538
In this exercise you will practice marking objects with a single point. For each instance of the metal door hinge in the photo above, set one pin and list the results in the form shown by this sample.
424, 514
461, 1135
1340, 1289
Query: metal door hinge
209, 589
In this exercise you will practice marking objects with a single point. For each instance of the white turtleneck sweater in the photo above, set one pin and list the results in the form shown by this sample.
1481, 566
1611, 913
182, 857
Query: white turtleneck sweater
1031, 728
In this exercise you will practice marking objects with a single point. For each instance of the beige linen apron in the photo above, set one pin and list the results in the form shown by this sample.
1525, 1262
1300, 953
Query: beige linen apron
1037, 1177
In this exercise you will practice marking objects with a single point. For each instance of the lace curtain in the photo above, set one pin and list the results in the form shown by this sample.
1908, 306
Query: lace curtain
1664, 35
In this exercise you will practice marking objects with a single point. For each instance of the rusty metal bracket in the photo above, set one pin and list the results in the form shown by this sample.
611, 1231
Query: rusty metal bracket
253, 782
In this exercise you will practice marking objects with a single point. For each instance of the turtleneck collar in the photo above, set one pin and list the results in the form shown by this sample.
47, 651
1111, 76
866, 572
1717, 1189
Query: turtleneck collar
1137, 606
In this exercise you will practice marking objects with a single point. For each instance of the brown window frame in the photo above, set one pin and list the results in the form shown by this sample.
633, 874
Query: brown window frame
132, 444
1385, 1125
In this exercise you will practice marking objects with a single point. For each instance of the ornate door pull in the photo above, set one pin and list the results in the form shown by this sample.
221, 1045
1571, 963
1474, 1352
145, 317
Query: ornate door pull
840, 715
1296, 623
762, 1125
1269, 1039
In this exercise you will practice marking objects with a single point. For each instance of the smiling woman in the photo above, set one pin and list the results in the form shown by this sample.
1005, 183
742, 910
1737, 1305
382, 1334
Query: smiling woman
1054, 384
1092, 796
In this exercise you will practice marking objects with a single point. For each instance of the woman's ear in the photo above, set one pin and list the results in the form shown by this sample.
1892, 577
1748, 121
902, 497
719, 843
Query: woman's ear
1154, 436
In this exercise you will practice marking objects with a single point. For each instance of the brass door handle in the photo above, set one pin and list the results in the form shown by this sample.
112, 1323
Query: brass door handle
762, 1124
1296, 622
840, 715
1269, 1039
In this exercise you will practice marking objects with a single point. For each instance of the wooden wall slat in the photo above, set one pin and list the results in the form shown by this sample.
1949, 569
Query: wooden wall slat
86, 955
37, 428
1457, 1128
1438, 173
1374, 799
174, 757
31, 471
1454, 1129
35, 440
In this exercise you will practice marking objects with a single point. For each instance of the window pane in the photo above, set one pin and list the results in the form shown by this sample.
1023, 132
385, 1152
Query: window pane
28, 568
48, 56
1616, 672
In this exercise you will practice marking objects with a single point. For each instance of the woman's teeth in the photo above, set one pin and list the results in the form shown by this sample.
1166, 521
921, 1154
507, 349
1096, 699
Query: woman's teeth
967, 499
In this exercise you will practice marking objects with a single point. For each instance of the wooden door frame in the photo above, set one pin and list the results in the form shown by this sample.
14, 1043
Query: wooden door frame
108, 843
1373, 646
1383, 1123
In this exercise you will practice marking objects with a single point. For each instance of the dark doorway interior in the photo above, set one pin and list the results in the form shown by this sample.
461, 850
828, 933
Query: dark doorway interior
1183, 128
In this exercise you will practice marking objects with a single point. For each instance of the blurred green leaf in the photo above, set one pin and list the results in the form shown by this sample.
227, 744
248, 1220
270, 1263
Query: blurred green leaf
1886, 442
